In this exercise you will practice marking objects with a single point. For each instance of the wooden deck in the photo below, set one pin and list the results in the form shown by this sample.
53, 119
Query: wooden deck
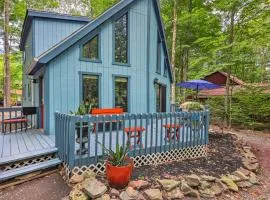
18, 144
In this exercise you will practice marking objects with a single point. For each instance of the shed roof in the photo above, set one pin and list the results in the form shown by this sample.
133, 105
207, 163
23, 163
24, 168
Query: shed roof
83, 31
233, 78
30, 14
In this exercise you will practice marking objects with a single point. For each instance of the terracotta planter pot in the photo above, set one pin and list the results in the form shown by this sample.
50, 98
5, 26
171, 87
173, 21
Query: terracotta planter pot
119, 177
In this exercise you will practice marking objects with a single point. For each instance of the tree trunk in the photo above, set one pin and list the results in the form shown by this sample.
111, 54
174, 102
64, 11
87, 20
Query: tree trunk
228, 96
6, 55
173, 50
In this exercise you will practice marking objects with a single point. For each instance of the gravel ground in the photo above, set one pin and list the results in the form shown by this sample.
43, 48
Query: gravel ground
223, 158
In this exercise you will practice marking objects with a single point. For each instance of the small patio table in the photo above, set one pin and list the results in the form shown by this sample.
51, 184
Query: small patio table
170, 130
135, 132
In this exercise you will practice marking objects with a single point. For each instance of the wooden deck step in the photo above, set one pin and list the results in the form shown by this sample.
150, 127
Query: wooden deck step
27, 155
28, 169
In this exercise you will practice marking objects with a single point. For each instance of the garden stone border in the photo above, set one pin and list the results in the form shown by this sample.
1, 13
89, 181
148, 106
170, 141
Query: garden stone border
189, 185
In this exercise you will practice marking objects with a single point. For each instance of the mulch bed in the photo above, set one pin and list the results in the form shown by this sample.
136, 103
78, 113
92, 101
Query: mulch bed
223, 157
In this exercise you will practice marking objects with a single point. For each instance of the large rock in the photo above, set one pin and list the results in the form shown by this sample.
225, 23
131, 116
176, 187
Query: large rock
208, 178
89, 174
78, 195
93, 188
187, 190
193, 180
129, 194
76, 178
139, 184
221, 185
253, 179
153, 194
244, 171
168, 184
229, 182
114, 193
216, 189
248, 154
207, 193
234, 178
104, 197
251, 166
244, 184
204, 185
241, 176
175, 194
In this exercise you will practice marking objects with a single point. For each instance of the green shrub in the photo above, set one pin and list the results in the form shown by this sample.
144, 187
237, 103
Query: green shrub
250, 108
192, 106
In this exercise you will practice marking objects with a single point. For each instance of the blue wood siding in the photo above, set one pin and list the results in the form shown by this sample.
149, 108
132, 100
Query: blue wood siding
48, 32
63, 72
28, 53
153, 63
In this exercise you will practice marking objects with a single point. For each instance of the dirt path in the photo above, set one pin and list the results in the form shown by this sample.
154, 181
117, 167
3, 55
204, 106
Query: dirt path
261, 144
51, 187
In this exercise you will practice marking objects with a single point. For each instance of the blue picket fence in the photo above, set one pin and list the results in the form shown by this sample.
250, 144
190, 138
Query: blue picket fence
79, 139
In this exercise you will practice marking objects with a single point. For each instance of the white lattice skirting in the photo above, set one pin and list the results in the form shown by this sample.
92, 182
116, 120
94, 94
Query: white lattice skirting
150, 159
24, 163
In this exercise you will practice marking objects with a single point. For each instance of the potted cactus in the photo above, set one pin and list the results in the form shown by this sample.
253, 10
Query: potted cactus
119, 166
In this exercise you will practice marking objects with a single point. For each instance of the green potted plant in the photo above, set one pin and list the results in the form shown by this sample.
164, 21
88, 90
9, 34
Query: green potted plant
119, 166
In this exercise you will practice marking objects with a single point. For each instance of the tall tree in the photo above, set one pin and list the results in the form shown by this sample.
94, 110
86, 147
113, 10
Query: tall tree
6, 55
174, 32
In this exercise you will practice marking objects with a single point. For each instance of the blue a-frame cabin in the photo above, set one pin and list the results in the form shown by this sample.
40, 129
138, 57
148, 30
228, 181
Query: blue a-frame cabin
119, 59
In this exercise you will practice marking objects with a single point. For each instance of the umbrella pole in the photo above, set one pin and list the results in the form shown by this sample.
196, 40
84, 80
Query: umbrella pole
197, 92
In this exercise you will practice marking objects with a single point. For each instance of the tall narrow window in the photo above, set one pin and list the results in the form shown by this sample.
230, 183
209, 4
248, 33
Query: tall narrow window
29, 90
165, 68
121, 40
158, 69
160, 98
91, 90
121, 93
90, 49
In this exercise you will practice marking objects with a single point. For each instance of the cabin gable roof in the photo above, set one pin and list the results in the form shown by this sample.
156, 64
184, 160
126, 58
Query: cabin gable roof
31, 14
56, 50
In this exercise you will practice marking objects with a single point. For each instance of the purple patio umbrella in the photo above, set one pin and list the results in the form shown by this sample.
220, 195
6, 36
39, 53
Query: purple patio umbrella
198, 85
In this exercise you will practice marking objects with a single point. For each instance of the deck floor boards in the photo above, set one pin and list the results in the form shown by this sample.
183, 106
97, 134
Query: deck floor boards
6, 146
1, 144
21, 143
16, 143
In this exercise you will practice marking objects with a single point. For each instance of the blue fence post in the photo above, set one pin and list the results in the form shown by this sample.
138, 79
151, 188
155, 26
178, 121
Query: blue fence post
207, 127
71, 142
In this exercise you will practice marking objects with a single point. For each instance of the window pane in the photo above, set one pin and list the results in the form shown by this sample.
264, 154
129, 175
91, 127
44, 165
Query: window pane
121, 93
90, 90
121, 40
165, 68
90, 49
158, 98
29, 89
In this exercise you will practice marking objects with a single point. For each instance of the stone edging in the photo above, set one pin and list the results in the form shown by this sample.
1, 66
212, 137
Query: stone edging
87, 186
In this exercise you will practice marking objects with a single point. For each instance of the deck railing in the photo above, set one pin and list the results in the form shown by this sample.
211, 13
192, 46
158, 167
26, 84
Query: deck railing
12, 119
79, 143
